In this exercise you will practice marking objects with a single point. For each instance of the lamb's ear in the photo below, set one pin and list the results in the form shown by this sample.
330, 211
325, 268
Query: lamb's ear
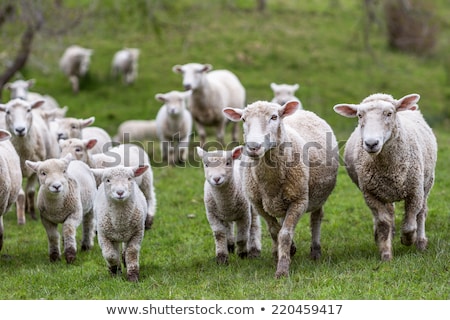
273, 86
295, 86
233, 114
31, 83
289, 108
200, 152
177, 68
98, 173
89, 143
206, 67
236, 152
160, 97
87, 122
408, 102
137, 171
33, 165
68, 157
4, 135
346, 110
37, 104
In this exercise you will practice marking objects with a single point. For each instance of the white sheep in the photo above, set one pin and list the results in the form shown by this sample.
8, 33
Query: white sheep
211, 92
226, 205
66, 196
31, 139
391, 156
125, 62
136, 130
174, 126
120, 209
284, 93
75, 63
290, 168
10, 182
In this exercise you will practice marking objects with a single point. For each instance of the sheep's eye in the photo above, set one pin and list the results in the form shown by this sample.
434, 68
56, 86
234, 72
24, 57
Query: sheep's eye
77, 149
74, 126
243, 120
8, 112
228, 163
274, 117
388, 114
43, 173
108, 181
206, 165
360, 115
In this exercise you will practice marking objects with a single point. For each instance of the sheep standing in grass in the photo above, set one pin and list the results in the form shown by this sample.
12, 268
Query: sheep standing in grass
10, 181
174, 126
284, 93
66, 196
290, 168
211, 92
125, 62
75, 63
226, 205
120, 209
136, 130
391, 156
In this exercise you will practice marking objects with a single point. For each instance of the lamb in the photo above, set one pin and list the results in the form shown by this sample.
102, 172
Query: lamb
31, 139
174, 126
121, 210
290, 168
391, 156
125, 62
75, 63
284, 93
10, 181
226, 205
211, 92
66, 196
136, 130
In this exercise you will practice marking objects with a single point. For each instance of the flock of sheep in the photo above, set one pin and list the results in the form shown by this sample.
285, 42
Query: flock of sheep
286, 167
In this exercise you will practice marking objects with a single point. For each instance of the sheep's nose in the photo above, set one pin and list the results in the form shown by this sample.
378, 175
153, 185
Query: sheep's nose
60, 136
371, 144
216, 179
187, 87
253, 146
120, 193
20, 131
56, 187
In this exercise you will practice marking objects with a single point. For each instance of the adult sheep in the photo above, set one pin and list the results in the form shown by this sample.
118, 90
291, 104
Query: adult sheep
391, 156
136, 130
125, 63
75, 63
290, 168
211, 92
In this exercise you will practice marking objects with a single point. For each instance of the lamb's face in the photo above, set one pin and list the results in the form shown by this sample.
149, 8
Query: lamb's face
19, 88
52, 175
175, 104
284, 93
68, 128
118, 183
193, 74
218, 167
19, 117
76, 147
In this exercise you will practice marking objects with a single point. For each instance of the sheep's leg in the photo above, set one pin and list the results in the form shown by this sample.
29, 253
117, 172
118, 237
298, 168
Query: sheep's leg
20, 207
383, 222
242, 237
183, 149
221, 133
75, 83
1, 232
87, 241
131, 250
422, 241
53, 239
69, 230
201, 132
254, 246
413, 207
164, 150
221, 231
315, 222
273, 227
30, 191
110, 252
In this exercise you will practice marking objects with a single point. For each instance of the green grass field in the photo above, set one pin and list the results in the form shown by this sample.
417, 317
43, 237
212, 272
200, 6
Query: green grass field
318, 44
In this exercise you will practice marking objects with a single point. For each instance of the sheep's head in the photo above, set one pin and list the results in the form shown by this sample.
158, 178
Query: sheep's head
263, 125
283, 92
19, 88
19, 116
72, 127
192, 74
377, 118
78, 148
174, 101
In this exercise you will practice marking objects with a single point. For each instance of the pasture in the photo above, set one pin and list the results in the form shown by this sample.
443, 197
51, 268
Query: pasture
318, 44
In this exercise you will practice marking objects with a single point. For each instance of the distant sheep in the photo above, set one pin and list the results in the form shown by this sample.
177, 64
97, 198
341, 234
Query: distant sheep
136, 130
120, 209
284, 93
125, 63
291, 165
391, 156
174, 126
226, 205
75, 64
211, 92
66, 196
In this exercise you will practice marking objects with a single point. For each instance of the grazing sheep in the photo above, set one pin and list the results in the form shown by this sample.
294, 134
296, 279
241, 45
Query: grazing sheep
391, 156
120, 209
125, 62
290, 168
226, 205
136, 130
174, 126
31, 139
211, 92
66, 196
75, 64
284, 93
10, 181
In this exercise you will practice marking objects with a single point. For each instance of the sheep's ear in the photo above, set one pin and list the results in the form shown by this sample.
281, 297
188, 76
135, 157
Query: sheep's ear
289, 108
233, 114
137, 171
177, 68
236, 152
295, 86
67, 158
160, 97
200, 152
31, 83
98, 173
206, 67
33, 165
346, 110
7, 85
89, 143
87, 122
408, 102
4, 135
37, 104
273, 86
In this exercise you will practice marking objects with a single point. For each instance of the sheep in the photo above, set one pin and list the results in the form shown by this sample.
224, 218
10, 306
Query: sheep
10, 182
31, 139
80, 128
211, 92
120, 209
174, 126
74, 63
66, 196
391, 156
290, 168
226, 205
136, 130
125, 62
284, 93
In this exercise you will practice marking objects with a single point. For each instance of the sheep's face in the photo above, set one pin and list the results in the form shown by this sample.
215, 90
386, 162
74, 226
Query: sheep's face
119, 182
19, 88
19, 116
68, 128
284, 93
52, 175
218, 165
77, 148
193, 74
174, 101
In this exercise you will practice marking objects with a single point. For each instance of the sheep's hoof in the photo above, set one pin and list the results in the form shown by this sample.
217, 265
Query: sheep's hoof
148, 222
282, 268
54, 256
254, 253
222, 258
408, 238
70, 254
243, 254
231, 248
293, 249
86, 247
133, 276
422, 244
316, 252
114, 270
386, 256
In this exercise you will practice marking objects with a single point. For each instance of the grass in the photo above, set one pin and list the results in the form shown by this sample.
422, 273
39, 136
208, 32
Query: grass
315, 43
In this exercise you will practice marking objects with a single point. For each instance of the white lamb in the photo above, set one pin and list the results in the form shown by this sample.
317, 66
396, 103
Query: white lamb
391, 156
66, 196
290, 168
174, 126
136, 130
211, 92
10, 182
284, 93
125, 62
226, 205
75, 64
120, 209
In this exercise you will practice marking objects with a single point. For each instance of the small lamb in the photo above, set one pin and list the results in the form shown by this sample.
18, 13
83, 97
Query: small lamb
284, 93
120, 209
174, 126
391, 156
125, 62
66, 196
226, 205
75, 64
